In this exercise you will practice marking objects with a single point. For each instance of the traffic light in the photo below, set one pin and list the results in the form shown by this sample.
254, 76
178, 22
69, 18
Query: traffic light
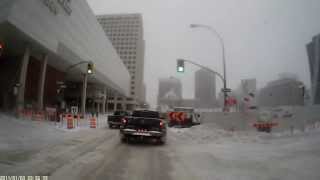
180, 65
90, 68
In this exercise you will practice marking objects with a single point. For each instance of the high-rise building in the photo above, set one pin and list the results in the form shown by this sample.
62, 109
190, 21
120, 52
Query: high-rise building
170, 92
284, 91
248, 86
125, 31
313, 49
205, 89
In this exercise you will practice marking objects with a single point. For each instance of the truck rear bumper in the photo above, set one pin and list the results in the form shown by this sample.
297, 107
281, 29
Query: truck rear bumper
115, 123
133, 132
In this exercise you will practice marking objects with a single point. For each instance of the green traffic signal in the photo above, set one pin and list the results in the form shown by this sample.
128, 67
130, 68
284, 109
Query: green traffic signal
90, 68
180, 65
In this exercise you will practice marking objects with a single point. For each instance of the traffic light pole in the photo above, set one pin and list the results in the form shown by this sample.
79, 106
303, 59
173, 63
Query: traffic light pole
84, 93
223, 57
84, 83
206, 68
77, 64
214, 72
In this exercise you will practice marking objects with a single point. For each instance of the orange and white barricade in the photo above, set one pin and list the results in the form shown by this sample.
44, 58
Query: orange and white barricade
38, 116
93, 122
70, 121
28, 114
51, 114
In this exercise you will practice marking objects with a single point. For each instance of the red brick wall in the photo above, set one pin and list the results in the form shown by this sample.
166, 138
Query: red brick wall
33, 77
32, 81
50, 94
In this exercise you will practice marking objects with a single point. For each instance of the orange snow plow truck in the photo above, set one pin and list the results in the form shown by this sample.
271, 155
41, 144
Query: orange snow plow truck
183, 117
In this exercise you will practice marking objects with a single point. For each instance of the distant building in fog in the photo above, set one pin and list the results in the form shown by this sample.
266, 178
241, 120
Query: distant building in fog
245, 93
313, 49
284, 91
170, 92
248, 86
188, 103
205, 89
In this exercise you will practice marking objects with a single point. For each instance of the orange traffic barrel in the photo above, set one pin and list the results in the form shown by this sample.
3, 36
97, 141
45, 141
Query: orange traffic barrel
38, 116
93, 123
69, 121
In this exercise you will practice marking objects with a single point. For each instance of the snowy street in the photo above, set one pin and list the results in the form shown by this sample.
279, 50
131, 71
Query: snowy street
200, 152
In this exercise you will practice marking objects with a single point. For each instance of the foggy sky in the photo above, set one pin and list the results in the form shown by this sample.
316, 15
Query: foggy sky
262, 37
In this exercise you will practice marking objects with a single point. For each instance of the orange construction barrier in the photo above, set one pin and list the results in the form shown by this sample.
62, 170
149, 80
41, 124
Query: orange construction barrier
28, 114
69, 121
93, 122
38, 116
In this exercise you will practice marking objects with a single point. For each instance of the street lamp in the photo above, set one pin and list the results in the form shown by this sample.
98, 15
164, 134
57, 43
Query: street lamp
223, 56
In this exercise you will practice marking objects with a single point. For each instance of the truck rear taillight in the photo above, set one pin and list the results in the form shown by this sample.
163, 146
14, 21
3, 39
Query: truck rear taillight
161, 124
124, 121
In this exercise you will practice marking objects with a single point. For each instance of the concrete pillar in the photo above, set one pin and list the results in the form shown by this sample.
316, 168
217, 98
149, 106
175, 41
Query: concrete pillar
98, 107
42, 81
104, 100
22, 79
115, 103
92, 106
107, 102
84, 93
124, 106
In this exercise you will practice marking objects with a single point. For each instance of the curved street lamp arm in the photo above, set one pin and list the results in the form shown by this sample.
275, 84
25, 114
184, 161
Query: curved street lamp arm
206, 68
214, 31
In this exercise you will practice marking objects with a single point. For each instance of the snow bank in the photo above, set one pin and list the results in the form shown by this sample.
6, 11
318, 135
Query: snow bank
22, 134
210, 133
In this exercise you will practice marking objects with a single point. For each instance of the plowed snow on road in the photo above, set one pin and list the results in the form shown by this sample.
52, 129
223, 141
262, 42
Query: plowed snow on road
200, 152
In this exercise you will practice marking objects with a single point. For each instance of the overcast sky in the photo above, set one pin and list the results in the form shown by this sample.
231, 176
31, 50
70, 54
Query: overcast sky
262, 37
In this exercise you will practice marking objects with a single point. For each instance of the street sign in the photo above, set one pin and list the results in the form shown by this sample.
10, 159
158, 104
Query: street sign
74, 109
226, 90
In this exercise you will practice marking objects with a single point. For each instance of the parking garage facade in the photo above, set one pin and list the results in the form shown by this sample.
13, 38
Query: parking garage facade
41, 40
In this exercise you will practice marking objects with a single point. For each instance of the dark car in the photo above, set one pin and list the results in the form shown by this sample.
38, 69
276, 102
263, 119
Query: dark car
114, 120
143, 125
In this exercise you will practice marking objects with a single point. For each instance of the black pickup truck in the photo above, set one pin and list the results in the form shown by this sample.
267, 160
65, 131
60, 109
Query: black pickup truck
115, 119
143, 125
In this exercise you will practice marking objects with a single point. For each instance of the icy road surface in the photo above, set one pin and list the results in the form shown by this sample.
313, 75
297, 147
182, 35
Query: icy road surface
200, 152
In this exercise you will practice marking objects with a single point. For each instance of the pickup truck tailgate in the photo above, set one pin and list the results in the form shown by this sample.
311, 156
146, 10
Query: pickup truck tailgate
148, 124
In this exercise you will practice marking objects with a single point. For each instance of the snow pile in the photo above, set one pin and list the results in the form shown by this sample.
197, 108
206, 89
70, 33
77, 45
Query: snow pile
22, 134
204, 134
209, 133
